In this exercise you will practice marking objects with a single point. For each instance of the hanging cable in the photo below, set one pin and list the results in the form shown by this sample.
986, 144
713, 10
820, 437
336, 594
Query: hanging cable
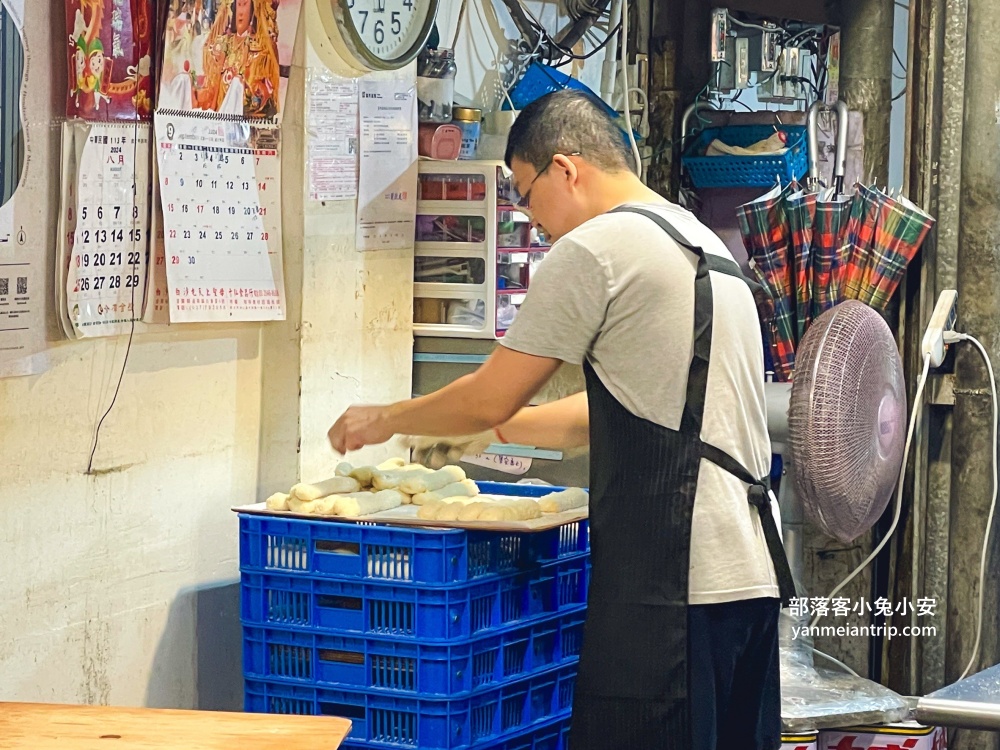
625, 92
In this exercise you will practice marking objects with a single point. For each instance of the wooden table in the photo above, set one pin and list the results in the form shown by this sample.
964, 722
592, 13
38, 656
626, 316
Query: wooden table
46, 726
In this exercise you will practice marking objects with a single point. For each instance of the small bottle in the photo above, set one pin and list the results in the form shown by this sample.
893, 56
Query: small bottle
469, 120
435, 85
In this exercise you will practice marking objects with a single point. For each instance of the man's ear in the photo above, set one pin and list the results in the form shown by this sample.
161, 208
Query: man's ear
567, 167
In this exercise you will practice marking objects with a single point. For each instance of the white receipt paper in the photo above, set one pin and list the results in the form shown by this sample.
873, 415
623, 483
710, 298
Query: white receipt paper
387, 189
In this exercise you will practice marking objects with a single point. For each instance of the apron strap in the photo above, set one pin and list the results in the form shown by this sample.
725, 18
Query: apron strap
697, 381
758, 495
697, 384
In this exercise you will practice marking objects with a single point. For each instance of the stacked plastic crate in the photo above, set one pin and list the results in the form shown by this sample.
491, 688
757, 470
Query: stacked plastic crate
423, 638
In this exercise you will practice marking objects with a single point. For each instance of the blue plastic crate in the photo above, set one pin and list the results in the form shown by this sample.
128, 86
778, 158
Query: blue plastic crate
746, 171
379, 552
344, 607
434, 668
482, 719
550, 735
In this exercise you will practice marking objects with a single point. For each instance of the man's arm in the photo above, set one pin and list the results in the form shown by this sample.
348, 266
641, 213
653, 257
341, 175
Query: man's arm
557, 425
490, 396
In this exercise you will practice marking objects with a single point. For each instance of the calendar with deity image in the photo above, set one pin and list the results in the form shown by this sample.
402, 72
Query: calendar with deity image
104, 236
221, 198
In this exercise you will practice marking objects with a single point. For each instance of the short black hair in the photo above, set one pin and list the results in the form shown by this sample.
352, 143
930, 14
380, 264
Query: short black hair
566, 122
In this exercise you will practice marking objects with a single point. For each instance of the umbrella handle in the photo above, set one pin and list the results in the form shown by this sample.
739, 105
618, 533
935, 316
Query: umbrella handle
840, 163
686, 118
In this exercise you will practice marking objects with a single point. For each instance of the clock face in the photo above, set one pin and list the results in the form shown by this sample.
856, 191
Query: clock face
386, 33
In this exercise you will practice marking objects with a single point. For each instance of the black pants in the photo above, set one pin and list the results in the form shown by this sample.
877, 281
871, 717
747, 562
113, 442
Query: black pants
734, 688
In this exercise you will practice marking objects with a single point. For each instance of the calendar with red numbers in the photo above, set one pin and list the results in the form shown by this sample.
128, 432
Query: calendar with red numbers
106, 226
221, 197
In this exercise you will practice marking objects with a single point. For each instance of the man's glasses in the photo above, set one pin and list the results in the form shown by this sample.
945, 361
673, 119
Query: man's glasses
523, 201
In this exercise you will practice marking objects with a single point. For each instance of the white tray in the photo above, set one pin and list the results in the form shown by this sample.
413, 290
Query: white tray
406, 515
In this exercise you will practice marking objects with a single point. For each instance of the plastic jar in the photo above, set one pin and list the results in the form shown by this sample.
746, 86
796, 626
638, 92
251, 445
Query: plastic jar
435, 85
470, 121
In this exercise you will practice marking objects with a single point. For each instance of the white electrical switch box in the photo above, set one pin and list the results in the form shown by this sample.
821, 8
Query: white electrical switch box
742, 62
720, 29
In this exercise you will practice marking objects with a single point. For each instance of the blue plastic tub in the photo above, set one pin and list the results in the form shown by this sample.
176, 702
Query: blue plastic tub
550, 735
348, 607
433, 668
401, 554
480, 720
746, 171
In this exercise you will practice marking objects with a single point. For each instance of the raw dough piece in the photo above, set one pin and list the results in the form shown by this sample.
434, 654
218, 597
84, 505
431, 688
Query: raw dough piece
343, 469
365, 503
497, 512
557, 502
392, 463
465, 488
429, 512
334, 486
526, 509
388, 480
451, 507
364, 475
472, 511
277, 501
431, 481
307, 507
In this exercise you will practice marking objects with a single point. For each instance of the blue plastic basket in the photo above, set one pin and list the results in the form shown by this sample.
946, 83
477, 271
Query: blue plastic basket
549, 735
445, 669
746, 171
431, 724
332, 549
345, 607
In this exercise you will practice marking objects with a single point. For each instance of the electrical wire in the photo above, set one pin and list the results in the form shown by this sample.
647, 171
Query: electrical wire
917, 407
132, 310
623, 49
899, 60
745, 25
950, 337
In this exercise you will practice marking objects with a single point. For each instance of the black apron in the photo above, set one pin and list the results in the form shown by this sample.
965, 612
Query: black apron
632, 688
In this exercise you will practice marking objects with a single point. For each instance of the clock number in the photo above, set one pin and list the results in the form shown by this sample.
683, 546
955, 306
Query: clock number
379, 32
408, 4
396, 25
364, 20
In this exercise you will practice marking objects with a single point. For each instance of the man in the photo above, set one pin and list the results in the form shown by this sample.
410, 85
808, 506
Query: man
680, 646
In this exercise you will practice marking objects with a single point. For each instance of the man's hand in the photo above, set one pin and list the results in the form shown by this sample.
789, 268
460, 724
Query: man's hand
435, 452
360, 426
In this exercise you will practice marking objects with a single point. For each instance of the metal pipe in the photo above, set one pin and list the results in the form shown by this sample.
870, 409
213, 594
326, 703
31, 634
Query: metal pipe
812, 132
866, 76
935, 712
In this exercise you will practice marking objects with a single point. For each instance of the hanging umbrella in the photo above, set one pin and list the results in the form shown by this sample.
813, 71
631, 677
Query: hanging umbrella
766, 236
800, 208
899, 231
860, 239
828, 242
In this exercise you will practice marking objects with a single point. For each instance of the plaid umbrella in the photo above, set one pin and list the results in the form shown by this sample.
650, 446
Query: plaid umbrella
829, 230
899, 231
767, 236
860, 239
800, 208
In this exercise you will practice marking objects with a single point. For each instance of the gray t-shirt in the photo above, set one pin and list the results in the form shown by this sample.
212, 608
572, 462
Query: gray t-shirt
619, 292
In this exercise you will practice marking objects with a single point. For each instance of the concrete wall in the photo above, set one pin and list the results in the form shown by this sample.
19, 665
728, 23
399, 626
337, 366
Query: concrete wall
121, 586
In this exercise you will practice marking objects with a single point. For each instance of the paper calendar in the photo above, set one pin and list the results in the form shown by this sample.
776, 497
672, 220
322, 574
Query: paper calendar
221, 198
104, 227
